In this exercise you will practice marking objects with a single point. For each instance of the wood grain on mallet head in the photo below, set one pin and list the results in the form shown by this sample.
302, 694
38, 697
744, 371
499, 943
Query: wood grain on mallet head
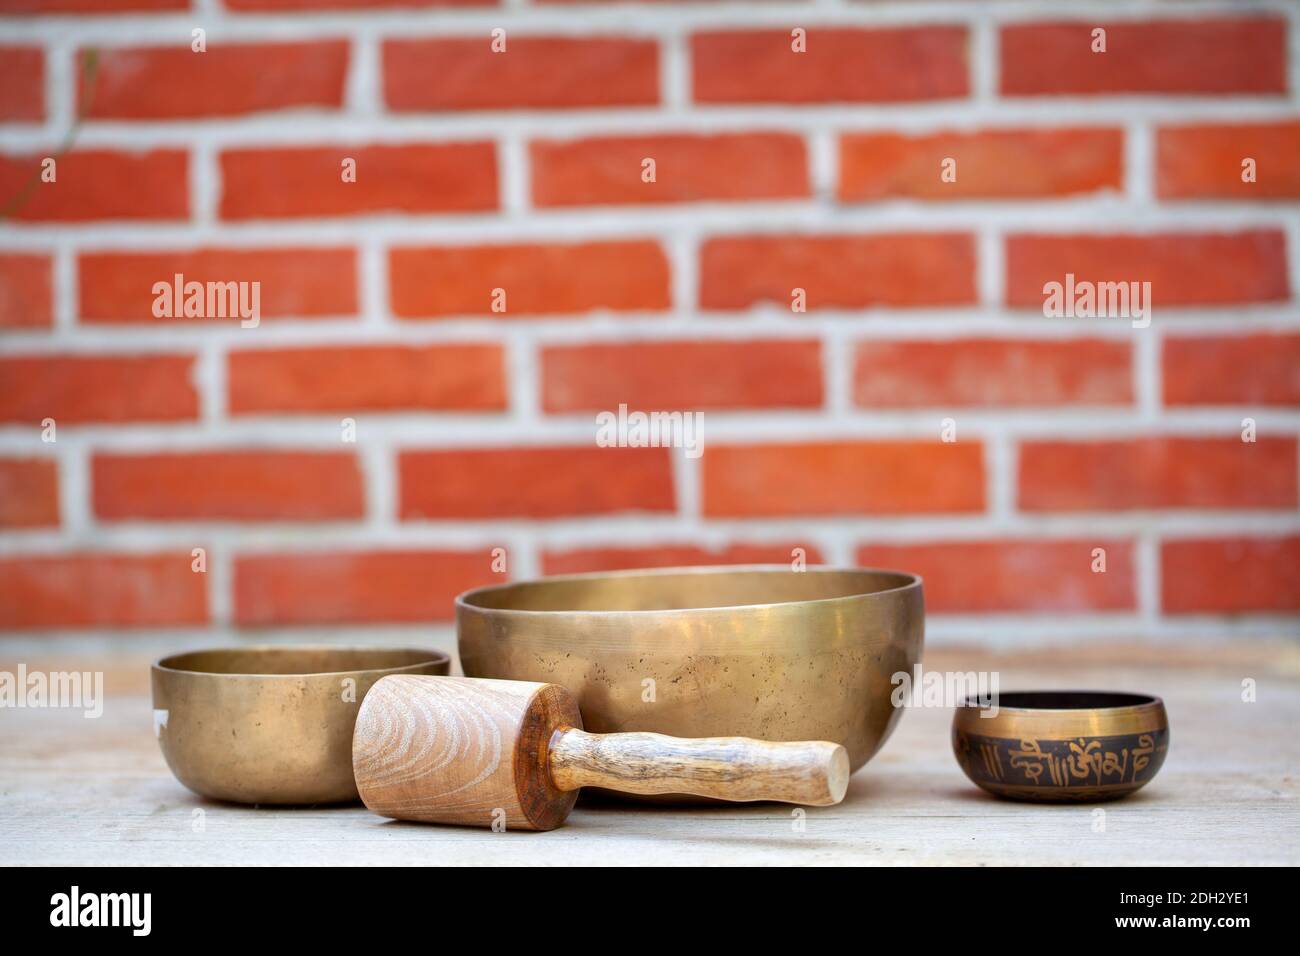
455, 750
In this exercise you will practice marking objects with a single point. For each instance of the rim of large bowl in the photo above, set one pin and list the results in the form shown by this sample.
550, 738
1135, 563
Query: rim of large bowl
432, 657
463, 599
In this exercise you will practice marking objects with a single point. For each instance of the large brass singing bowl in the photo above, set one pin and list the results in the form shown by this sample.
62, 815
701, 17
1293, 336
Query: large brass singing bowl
762, 652
271, 724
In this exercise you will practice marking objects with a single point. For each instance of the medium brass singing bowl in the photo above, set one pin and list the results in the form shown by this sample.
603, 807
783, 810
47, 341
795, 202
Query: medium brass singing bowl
1062, 746
271, 724
763, 652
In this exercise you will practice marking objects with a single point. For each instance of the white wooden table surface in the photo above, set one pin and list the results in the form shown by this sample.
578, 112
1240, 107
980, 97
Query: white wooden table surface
89, 792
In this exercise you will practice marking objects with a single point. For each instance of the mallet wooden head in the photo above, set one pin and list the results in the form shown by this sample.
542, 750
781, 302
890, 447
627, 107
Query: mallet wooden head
482, 752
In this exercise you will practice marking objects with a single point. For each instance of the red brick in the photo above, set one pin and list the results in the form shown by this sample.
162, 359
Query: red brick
1260, 369
620, 276
26, 291
1184, 269
1204, 162
998, 164
988, 371
173, 82
1206, 55
840, 271
778, 373
98, 388
350, 586
533, 73
307, 181
688, 168
96, 7
101, 590
471, 483
579, 560
1157, 472
971, 577
267, 6
29, 493
841, 65
295, 283
843, 478
1230, 575
254, 485
22, 82
95, 184
451, 377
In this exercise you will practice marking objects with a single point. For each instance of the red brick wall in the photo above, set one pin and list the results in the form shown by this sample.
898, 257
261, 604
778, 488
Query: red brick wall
521, 170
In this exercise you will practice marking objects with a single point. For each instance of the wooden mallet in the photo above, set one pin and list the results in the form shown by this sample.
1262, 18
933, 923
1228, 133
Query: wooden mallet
512, 753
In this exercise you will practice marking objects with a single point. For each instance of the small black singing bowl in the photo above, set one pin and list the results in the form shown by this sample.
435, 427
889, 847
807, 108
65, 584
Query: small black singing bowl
1066, 746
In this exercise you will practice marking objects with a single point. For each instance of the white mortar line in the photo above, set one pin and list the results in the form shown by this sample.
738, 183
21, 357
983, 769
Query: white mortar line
60, 89
210, 382
839, 356
675, 71
513, 174
642, 530
220, 578
1104, 215
363, 92
683, 252
1292, 13
616, 18
1148, 375
985, 54
1000, 474
1139, 163
74, 487
64, 290
379, 470
687, 481
1293, 251
774, 426
917, 324
524, 378
1146, 561
990, 267
295, 126
372, 286
205, 186
823, 164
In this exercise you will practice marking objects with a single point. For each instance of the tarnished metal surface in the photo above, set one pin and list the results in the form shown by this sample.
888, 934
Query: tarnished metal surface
271, 724
762, 652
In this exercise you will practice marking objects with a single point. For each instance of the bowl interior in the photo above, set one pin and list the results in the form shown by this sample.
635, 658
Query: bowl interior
679, 589
298, 660
1050, 700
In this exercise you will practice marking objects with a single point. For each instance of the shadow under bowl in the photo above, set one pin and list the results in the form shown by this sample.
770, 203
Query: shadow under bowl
1066, 746
758, 651
271, 724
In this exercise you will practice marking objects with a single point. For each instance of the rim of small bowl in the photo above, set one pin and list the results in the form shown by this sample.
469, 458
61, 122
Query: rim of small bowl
463, 599
432, 657
1136, 703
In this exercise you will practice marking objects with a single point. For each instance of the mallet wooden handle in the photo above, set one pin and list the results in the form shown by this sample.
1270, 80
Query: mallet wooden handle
815, 773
